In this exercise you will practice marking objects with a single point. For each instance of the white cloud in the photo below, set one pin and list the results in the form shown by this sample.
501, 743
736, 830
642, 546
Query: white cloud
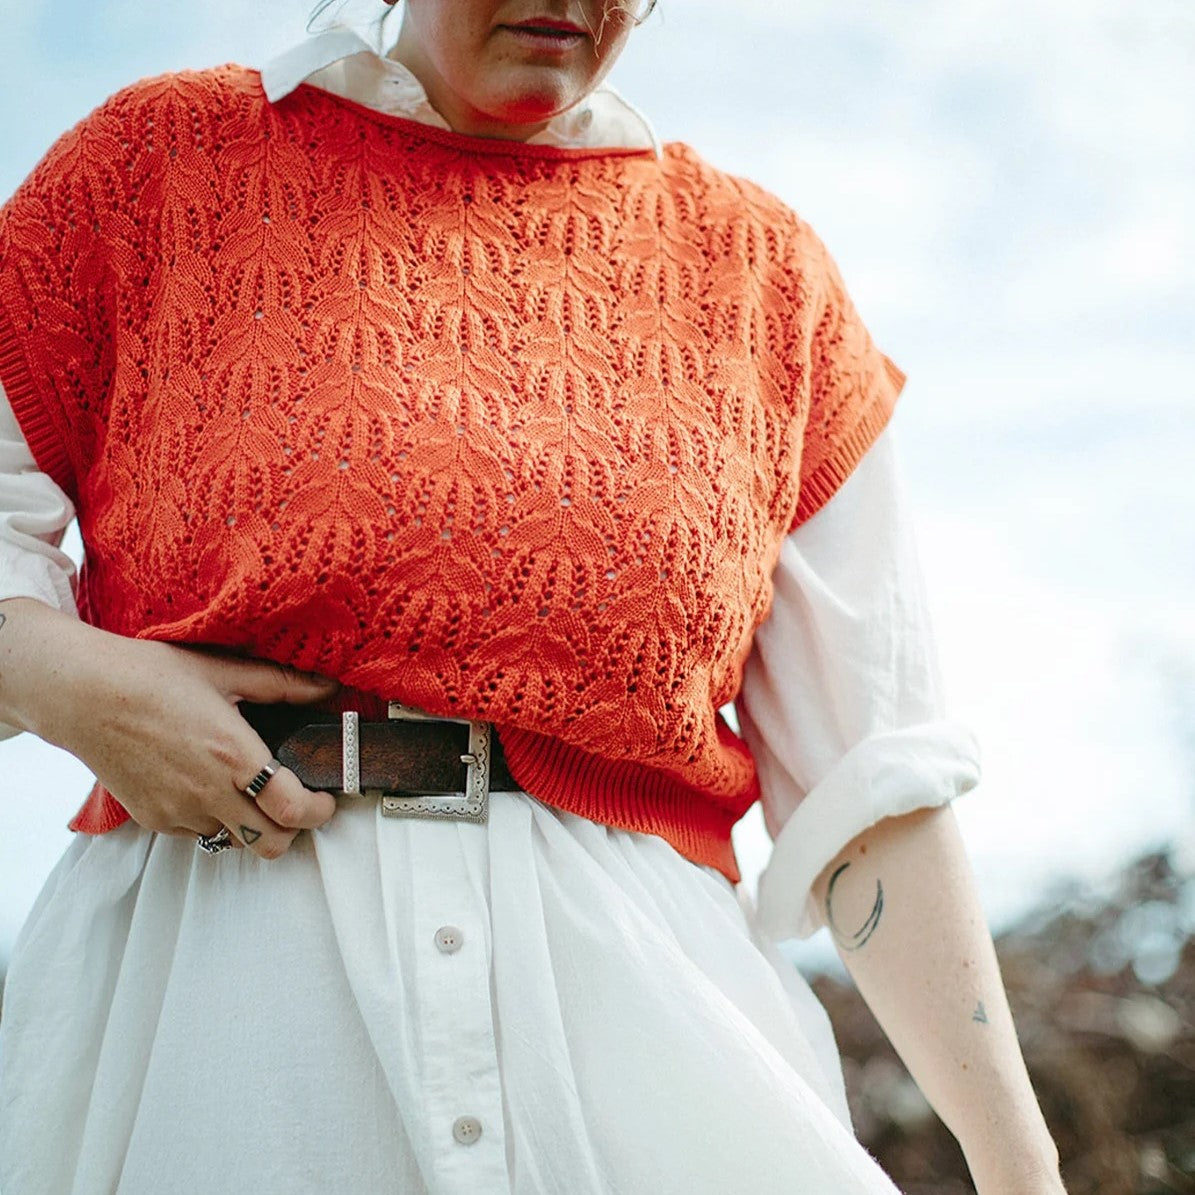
1080, 760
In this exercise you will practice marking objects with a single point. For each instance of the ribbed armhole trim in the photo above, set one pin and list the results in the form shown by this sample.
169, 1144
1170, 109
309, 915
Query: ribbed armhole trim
821, 486
29, 407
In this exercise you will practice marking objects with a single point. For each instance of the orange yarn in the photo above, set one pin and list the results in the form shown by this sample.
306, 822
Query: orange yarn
507, 431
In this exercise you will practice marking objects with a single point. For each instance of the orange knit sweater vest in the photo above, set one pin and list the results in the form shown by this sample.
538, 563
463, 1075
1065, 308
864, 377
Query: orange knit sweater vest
502, 431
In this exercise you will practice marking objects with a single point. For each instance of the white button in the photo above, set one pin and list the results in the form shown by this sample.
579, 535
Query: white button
449, 938
466, 1129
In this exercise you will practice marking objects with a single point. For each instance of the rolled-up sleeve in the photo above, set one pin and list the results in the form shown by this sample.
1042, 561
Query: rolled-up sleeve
842, 701
34, 514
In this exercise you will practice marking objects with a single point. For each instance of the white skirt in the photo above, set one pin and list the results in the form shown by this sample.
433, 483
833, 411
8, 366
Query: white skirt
538, 1005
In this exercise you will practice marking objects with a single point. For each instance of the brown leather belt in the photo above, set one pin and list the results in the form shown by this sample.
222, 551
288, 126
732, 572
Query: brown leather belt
416, 764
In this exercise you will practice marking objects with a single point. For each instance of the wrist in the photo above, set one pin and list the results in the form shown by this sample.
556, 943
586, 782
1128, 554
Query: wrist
1020, 1165
43, 657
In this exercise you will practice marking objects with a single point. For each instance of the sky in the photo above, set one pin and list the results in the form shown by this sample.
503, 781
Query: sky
1008, 188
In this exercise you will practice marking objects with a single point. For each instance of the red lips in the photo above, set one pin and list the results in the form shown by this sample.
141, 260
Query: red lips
549, 25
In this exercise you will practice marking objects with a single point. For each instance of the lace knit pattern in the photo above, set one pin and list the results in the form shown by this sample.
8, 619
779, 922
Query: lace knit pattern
502, 431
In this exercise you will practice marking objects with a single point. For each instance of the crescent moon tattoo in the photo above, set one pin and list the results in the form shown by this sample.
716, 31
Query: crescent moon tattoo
860, 936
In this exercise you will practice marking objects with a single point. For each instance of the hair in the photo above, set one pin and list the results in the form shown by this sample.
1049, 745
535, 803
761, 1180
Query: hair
337, 6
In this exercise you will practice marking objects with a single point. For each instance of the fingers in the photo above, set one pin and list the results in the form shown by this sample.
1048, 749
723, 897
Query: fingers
189, 828
207, 826
287, 803
283, 807
250, 827
265, 682
208, 830
173, 781
267, 827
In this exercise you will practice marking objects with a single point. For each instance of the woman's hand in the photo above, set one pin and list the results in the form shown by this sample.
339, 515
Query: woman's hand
158, 725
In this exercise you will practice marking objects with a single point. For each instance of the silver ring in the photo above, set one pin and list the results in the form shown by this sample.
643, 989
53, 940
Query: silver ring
215, 843
254, 787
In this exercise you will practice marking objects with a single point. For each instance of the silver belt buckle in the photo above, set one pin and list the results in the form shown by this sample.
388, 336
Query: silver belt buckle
471, 805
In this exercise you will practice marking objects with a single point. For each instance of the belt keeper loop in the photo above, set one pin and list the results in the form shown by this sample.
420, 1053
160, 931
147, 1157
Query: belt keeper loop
350, 753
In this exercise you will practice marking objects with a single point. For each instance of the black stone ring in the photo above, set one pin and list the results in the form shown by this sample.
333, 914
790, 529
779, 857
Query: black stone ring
253, 788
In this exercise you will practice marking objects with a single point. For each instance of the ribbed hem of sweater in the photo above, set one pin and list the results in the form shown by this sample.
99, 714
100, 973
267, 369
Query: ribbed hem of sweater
101, 812
624, 794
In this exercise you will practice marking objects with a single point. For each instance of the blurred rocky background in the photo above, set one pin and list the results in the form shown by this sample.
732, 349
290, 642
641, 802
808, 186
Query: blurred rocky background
1102, 986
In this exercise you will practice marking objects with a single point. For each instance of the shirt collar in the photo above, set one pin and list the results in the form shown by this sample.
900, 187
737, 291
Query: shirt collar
339, 60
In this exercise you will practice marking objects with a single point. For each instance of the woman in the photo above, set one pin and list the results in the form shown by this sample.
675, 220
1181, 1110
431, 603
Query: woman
429, 378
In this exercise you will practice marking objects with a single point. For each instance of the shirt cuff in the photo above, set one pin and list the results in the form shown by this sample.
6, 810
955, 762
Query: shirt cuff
30, 574
886, 775
24, 575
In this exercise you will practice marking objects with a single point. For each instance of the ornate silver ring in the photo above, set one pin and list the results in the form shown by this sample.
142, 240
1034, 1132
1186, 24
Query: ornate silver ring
215, 843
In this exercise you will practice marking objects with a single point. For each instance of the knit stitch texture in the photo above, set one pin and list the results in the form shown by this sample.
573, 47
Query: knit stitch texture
502, 431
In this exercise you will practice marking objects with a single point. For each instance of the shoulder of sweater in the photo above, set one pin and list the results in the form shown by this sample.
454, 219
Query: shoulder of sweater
123, 124
131, 134
685, 163
212, 90
691, 171
218, 90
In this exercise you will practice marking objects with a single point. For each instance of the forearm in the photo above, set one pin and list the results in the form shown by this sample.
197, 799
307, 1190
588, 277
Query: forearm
38, 645
902, 906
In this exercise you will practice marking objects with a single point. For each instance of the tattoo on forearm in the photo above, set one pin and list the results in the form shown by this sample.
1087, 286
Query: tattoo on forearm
3, 619
861, 935
979, 1015
250, 835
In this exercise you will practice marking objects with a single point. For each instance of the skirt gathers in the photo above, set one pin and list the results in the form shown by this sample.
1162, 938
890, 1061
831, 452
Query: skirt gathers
539, 1005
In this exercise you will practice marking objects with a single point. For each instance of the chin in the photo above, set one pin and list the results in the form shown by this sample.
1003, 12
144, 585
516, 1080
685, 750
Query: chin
537, 104
529, 113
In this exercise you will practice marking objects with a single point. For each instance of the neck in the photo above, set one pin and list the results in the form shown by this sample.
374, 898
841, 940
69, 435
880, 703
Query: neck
461, 117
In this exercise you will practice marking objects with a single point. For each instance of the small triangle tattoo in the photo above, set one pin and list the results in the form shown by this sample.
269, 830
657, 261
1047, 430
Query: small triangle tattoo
979, 1014
251, 835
